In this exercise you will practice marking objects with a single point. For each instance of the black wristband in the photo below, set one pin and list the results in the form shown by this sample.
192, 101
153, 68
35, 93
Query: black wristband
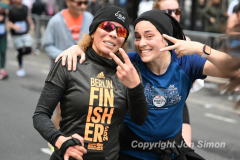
136, 89
67, 144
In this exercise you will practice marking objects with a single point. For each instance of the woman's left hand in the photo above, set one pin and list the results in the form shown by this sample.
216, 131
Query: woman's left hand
126, 71
183, 47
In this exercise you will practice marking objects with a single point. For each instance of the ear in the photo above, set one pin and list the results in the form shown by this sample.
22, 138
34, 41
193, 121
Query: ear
164, 41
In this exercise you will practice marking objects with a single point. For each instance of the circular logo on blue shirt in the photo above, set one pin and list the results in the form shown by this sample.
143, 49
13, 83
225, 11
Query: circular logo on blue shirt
159, 101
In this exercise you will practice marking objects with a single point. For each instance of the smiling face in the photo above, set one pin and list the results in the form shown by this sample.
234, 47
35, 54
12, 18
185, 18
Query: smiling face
170, 4
148, 41
105, 42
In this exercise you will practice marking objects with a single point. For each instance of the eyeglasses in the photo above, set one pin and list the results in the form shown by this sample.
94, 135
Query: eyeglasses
176, 11
79, 3
109, 27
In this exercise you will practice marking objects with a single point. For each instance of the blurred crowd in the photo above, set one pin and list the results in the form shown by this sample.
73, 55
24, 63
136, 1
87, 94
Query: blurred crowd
51, 7
208, 15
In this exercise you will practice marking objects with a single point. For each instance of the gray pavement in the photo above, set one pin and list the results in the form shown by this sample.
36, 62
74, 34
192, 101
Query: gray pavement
214, 124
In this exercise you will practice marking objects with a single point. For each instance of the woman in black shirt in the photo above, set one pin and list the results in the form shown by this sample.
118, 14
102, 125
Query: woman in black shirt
93, 100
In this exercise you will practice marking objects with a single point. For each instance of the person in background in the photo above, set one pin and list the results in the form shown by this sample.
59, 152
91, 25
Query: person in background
39, 8
66, 28
52, 7
215, 17
93, 7
3, 40
233, 87
233, 25
19, 20
200, 23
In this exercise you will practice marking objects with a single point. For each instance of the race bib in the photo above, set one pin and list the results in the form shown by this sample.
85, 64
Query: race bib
23, 26
2, 29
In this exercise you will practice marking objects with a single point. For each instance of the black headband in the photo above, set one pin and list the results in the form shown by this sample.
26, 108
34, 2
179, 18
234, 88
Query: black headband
165, 23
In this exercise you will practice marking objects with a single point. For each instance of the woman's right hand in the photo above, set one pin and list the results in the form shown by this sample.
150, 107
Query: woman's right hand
126, 72
72, 151
72, 53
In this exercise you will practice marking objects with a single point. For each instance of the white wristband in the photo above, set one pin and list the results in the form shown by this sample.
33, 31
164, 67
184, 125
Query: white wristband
204, 55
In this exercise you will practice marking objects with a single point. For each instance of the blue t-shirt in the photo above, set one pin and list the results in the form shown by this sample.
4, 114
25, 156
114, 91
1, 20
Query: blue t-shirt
166, 95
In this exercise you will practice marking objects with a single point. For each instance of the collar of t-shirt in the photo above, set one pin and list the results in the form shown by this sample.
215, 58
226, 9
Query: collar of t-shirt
91, 54
74, 24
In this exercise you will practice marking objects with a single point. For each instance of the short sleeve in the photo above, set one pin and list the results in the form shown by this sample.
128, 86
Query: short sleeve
193, 67
134, 57
58, 75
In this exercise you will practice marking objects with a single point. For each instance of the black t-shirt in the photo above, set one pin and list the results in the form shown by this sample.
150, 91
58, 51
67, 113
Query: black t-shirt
18, 16
93, 103
2, 24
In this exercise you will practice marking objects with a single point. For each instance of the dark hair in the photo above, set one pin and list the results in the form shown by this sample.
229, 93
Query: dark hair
236, 8
165, 23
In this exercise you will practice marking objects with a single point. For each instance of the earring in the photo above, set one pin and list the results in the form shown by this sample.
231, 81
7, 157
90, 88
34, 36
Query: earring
92, 37
166, 45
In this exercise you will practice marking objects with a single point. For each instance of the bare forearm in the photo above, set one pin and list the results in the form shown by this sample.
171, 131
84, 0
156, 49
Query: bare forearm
11, 25
221, 60
218, 58
30, 21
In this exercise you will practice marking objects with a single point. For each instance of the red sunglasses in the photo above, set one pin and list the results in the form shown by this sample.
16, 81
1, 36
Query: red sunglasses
109, 27
176, 11
79, 3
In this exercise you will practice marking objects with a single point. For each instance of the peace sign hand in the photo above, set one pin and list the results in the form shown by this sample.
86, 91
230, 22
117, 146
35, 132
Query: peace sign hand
126, 71
183, 47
